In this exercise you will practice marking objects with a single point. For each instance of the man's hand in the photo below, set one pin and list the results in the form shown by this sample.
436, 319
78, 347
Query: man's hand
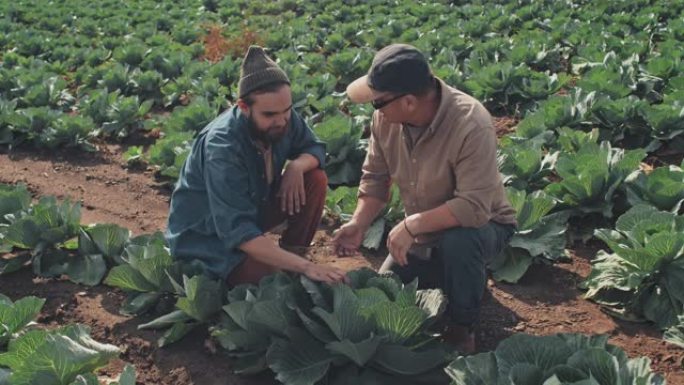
292, 193
348, 238
399, 242
327, 274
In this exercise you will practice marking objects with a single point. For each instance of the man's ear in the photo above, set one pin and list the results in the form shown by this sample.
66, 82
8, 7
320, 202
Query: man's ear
411, 102
243, 106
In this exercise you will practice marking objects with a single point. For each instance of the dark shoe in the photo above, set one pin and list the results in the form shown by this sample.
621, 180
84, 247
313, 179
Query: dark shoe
461, 337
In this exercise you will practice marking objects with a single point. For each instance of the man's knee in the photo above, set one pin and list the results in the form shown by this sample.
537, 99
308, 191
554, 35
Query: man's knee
460, 240
316, 180
316, 177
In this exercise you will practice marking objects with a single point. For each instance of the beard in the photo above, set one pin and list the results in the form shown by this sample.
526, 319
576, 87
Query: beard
268, 136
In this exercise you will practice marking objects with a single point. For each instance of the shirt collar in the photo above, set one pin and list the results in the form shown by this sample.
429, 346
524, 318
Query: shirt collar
442, 110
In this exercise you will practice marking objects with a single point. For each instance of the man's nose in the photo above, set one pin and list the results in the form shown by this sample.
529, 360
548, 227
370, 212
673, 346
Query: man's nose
282, 120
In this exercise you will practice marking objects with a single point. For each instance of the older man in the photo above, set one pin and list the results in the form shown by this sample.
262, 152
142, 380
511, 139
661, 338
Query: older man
235, 184
438, 145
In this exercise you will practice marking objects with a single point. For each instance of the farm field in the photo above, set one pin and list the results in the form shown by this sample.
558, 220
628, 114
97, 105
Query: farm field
99, 103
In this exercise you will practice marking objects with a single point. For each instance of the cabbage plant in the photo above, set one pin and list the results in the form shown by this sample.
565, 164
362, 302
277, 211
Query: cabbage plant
525, 166
591, 176
642, 276
54, 357
662, 188
148, 273
540, 236
14, 316
561, 359
374, 330
64, 356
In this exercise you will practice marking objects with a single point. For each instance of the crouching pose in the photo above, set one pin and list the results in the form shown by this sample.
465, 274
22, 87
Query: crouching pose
439, 146
236, 185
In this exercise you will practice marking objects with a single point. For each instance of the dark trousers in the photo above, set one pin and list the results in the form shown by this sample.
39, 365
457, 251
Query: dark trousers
457, 266
301, 227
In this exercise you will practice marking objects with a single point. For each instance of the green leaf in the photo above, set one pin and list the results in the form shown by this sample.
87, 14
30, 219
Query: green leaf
235, 339
304, 361
369, 298
433, 302
543, 352
273, 315
591, 176
239, 312
14, 264
13, 199
139, 303
664, 119
359, 278
646, 266
88, 379
530, 209
110, 240
373, 237
525, 374
675, 334
203, 297
511, 264
661, 188
128, 278
552, 360
45, 224
127, 377
597, 363
87, 269
398, 324
250, 364
175, 333
479, 369
152, 262
612, 82
55, 357
167, 320
14, 316
403, 361
524, 165
359, 353
546, 239
345, 321
313, 326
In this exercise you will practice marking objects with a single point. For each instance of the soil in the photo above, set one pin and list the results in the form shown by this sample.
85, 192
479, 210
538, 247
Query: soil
545, 301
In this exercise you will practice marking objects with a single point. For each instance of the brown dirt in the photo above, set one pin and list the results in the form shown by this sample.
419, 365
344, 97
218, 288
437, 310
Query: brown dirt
504, 125
546, 301
217, 46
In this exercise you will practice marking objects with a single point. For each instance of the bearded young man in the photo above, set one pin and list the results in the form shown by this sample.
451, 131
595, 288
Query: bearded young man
438, 145
236, 185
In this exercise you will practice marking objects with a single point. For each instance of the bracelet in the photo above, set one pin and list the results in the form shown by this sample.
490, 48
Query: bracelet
409, 231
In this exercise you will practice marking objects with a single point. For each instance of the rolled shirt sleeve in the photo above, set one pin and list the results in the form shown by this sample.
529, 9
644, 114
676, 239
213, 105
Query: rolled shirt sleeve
375, 177
477, 178
227, 182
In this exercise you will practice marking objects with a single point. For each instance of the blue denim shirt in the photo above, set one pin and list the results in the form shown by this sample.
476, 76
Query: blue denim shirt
216, 203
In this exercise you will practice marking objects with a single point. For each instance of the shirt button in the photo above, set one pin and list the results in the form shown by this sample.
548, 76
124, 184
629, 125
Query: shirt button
413, 160
413, 183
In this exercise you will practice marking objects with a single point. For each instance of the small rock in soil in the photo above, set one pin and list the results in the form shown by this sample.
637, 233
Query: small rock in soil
210, 345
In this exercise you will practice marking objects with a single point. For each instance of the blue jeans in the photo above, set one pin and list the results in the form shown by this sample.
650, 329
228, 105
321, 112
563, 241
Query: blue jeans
457, 266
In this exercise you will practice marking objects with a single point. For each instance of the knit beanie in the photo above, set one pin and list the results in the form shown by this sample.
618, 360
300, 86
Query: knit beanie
258, 70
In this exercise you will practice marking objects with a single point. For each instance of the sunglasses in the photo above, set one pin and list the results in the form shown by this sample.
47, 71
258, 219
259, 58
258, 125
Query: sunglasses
378, 104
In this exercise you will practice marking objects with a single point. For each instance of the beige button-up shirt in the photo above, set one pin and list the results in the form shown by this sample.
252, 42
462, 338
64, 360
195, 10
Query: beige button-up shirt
453, 162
